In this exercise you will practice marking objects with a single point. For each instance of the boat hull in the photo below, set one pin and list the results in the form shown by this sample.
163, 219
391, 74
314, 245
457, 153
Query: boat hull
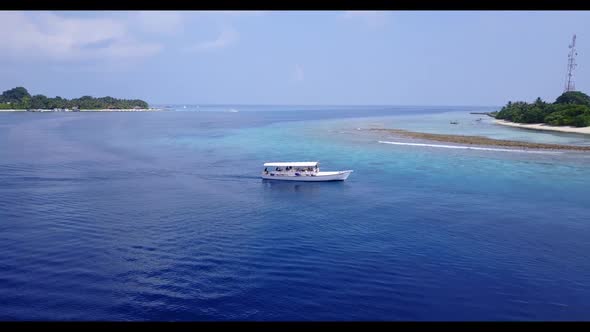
318, 177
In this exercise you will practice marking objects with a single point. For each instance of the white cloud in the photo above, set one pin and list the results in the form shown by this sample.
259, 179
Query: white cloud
160, 22
50, 36
250, 13
236, 12
371, 18
299, 74
227, 37
64, 38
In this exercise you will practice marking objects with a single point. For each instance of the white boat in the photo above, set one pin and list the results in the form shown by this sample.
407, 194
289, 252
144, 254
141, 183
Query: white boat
301, 171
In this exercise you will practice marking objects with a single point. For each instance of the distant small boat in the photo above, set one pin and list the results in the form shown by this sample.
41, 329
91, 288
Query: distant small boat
454, 122
301, 171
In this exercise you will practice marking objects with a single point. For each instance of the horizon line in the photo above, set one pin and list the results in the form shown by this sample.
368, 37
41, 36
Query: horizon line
323, 105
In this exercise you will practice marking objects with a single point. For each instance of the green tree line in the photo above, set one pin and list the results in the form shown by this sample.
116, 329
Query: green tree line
19, 98
570, 109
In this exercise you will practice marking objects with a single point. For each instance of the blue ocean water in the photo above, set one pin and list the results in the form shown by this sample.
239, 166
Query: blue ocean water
163, 216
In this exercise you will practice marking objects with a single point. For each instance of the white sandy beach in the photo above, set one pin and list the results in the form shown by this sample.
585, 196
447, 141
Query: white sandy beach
124, 110
102, 110
542, 126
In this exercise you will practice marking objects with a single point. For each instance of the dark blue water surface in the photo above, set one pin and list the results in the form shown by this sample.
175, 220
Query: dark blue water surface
163, 216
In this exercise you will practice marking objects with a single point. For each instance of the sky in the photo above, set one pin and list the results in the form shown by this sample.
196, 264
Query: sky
479, 58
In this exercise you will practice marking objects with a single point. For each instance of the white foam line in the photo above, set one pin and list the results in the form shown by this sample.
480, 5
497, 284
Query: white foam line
467, 147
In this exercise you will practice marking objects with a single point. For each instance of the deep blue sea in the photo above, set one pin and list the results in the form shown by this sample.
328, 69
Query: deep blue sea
162, 216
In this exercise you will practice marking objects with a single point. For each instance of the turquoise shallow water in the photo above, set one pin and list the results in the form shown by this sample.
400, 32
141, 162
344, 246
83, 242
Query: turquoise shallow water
162, 216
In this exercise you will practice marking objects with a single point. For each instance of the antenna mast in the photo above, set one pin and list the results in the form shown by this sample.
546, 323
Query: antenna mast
571, 65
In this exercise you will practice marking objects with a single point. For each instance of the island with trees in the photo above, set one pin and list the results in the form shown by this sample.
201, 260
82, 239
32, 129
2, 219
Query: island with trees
20, 99
569, 113
571, 109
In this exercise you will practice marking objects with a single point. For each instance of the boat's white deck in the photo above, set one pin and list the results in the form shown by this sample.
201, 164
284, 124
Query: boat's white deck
326, 173
319, 176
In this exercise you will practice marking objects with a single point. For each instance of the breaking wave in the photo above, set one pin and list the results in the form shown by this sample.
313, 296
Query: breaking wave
468, 147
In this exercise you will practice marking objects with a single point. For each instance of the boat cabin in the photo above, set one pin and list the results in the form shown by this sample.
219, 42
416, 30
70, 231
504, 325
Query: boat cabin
307, 168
